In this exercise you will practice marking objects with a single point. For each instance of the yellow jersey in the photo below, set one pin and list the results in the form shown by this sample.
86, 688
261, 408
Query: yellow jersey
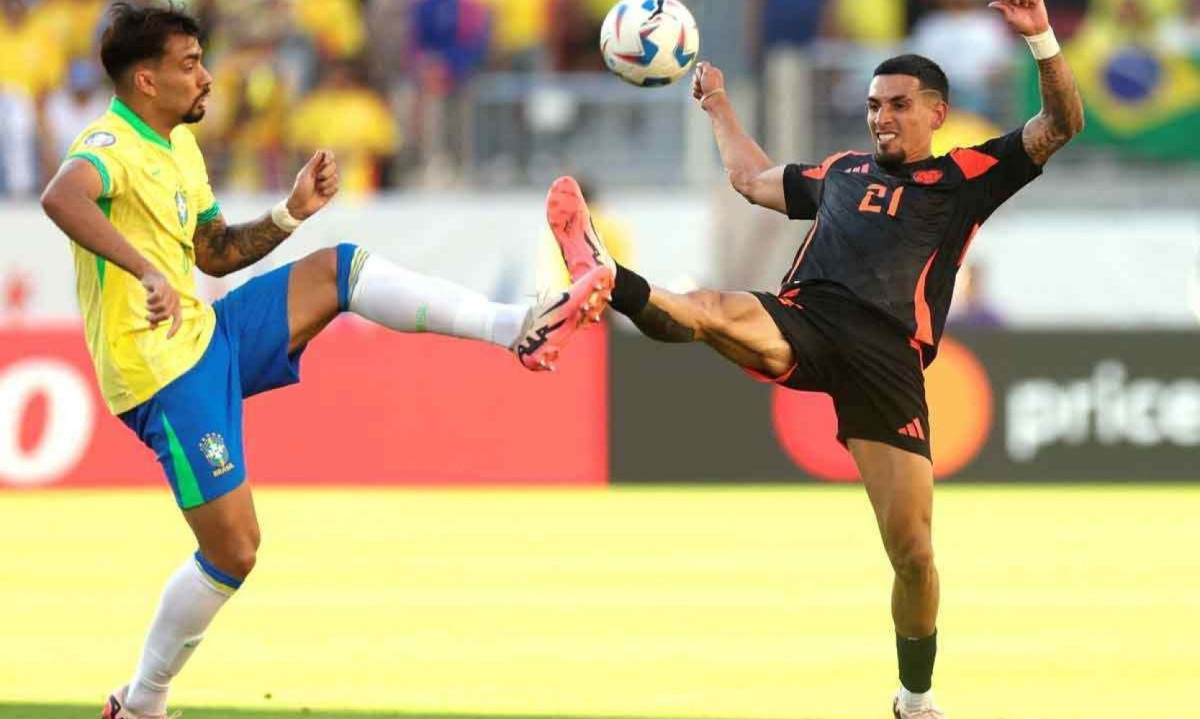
155, 192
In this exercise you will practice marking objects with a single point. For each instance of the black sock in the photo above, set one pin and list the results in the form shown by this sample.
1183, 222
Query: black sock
916, 662
631, 293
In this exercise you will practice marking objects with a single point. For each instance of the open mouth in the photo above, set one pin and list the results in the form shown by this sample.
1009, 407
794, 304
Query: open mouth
885, 137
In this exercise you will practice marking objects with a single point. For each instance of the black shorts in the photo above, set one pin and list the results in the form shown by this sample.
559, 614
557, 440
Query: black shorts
861, 359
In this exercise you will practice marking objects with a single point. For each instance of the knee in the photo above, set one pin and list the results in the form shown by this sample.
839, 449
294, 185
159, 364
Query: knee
324, 263
237, 555
911, 557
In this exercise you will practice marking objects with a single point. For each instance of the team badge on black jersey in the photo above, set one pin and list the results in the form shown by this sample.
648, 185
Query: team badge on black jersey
928, 177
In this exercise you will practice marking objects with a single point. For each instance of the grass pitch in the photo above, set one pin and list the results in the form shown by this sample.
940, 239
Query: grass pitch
741, 603
41, 711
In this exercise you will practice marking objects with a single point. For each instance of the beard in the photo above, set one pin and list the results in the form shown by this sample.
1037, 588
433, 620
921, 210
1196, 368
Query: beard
196, 113
889, 159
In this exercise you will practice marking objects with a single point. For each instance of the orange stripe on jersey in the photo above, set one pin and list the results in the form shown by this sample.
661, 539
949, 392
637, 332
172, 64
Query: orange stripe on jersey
920, 429
970, 239
912, 342
819, 173
924, 318
803, 249
973, 163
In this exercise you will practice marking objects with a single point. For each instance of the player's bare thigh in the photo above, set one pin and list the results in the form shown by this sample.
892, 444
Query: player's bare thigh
312, 296
227, 531
735, 325
900, 486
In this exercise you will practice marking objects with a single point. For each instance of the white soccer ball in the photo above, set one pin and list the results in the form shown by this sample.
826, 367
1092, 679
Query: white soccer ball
649, 43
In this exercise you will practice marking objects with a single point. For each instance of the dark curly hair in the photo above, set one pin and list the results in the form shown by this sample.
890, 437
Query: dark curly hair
140, 32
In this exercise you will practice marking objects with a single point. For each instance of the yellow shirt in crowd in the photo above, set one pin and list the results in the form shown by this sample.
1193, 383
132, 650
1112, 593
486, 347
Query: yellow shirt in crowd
518, 24
32, 61
355, 124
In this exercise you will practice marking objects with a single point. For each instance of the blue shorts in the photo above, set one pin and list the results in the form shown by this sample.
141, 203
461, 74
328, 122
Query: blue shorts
194, 424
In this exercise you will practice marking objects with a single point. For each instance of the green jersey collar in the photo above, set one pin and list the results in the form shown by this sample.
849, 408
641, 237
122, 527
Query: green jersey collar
122, 111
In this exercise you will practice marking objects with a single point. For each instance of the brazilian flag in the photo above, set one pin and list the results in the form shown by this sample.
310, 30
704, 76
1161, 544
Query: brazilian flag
1140, 99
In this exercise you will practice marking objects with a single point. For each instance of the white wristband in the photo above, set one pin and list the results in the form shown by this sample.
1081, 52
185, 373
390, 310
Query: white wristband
1044, 45
283, 219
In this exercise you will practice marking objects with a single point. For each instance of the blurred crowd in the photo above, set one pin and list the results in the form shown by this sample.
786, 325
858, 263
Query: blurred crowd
383, 82
981, 55
388, 83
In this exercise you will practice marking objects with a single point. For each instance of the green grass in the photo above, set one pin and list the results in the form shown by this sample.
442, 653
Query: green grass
66, 711
1062, 602
73, 711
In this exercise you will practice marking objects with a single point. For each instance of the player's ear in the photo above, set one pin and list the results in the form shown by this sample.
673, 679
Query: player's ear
143, 81
941, 111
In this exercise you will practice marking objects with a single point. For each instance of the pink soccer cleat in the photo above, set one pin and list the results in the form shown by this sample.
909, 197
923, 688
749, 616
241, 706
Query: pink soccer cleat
552, 321
567, 213
115, 708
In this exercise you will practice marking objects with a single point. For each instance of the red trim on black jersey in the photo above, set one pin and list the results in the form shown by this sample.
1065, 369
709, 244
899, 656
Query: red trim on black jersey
973, 163
970, 239
924, 317
803, 249
819, 173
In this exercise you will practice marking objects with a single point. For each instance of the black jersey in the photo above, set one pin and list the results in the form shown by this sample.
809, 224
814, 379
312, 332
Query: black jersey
894, 238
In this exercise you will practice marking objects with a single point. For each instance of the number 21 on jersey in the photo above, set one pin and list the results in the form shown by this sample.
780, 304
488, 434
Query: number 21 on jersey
877, 193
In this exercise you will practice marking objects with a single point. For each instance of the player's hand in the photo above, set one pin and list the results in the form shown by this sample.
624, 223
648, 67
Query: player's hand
316, 184
709, 82
162, 302
1027, 17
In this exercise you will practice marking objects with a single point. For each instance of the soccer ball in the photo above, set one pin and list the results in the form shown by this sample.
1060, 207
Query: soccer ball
649, 43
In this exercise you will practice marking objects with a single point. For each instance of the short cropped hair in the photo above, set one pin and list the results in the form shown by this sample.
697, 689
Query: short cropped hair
140, 32
927, 72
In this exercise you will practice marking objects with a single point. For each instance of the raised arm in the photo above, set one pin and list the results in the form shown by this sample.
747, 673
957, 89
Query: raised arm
1061, 117
70, 200
751, 172
221, 248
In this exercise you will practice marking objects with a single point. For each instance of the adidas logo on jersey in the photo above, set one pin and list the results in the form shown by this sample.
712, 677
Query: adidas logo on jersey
913, 429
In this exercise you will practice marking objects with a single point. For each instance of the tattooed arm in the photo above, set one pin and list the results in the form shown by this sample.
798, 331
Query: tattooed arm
1061, 117
657, 324
221, 249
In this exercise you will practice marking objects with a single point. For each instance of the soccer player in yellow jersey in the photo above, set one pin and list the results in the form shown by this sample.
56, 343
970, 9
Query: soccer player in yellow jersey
134, 198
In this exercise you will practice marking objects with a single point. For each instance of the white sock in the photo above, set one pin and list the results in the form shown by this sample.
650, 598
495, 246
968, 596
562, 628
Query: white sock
409, 302
913, 702
188, 604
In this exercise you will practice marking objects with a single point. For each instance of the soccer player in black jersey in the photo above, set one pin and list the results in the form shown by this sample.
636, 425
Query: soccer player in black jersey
863, 304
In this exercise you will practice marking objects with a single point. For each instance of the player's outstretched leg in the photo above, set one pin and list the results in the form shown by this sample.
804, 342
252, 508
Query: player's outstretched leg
735, 324
351, 279
900, 486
